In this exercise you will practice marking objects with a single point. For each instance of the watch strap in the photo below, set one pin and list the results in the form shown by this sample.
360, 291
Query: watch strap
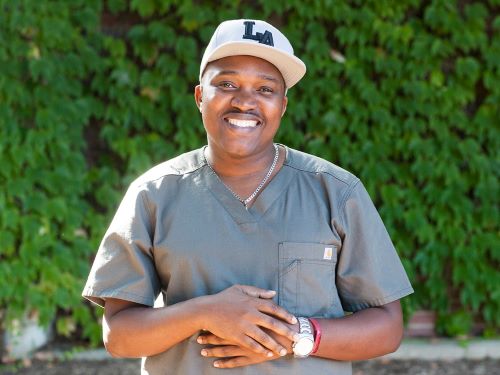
305, 326
317, 334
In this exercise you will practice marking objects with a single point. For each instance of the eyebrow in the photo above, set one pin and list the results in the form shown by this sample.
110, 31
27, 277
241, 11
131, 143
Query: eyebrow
227, 72
269, 78
234, 72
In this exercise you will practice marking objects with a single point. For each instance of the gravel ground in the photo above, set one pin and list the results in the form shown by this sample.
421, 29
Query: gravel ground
375, 367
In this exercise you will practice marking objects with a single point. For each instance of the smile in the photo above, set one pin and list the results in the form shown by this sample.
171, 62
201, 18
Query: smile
243, 123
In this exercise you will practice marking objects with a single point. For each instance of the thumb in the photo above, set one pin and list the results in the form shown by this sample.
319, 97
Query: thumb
253, 291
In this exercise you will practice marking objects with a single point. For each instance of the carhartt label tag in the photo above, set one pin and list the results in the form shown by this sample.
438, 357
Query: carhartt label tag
327, 255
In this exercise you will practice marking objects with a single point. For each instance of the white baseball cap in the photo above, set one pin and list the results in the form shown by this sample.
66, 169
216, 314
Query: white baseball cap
254, 38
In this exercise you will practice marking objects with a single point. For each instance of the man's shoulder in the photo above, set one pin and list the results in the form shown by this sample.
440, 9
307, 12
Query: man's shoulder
313, 164
180, 165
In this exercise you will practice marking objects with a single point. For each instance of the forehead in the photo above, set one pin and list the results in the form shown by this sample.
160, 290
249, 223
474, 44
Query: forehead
244, 66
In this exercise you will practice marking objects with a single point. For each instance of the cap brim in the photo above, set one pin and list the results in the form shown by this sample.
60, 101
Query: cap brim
291, 67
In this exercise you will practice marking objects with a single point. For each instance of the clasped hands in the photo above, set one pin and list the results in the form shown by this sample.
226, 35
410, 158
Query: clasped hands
243, 327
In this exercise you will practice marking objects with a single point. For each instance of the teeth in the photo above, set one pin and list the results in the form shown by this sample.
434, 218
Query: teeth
243, 123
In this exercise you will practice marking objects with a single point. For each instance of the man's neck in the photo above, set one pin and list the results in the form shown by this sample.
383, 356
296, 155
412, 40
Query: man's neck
233, 166
243, 175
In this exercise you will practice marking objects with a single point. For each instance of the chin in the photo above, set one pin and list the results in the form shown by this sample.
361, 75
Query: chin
239, 148
240, 152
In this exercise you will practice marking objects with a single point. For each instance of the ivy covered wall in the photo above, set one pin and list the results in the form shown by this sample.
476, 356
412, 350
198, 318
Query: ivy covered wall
404, 94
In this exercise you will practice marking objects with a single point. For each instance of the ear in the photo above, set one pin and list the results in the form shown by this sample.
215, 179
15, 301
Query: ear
285, 102
198, 94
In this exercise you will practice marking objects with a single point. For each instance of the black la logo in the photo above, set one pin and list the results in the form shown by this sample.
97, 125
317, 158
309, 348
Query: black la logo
266, 38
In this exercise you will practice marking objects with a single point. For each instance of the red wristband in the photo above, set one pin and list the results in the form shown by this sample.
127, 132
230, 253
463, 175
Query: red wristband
317, 334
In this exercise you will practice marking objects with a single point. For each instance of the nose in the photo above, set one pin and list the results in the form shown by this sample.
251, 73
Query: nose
243, 100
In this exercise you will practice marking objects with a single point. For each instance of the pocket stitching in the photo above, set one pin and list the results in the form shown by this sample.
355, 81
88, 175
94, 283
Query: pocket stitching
290, 267
315, 245
297, 286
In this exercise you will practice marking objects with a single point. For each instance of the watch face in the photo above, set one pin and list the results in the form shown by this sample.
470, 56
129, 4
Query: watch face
303, 347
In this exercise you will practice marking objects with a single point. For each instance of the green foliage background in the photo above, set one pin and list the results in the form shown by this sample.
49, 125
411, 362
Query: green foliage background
405, 94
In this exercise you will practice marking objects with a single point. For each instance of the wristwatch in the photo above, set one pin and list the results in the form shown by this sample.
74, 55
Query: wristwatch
304, 345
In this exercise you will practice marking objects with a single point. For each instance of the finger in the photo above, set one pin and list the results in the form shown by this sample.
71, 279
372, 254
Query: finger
246, 342
238, 361
278, 327
230, 362
267, 341
253, 291
212, 339
272, 309
225, 351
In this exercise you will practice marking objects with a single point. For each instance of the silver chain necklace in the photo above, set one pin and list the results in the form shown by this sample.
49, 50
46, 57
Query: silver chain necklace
245, 202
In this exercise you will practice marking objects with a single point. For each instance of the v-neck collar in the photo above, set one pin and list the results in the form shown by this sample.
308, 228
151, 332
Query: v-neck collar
272, 191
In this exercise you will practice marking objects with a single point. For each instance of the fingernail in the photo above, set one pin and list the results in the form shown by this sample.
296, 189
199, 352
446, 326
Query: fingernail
269, 354
216, 364
272, 291
204, 353
282, 352
294, 320
199, 340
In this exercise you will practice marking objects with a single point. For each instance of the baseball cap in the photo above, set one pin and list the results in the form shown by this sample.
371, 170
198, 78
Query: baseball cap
254, 38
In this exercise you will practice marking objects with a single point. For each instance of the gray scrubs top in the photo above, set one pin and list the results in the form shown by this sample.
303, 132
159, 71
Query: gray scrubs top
313, 235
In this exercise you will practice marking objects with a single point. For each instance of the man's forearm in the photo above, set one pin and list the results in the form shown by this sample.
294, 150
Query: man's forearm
143, 331
366, 334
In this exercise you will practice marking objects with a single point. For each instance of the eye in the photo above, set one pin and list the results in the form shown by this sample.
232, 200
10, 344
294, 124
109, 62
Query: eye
266, 89
226, 85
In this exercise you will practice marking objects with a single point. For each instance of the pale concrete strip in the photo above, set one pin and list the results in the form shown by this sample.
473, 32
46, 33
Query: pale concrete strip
92, 355
446, 349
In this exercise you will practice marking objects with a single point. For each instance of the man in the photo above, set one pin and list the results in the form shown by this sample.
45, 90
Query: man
258, 249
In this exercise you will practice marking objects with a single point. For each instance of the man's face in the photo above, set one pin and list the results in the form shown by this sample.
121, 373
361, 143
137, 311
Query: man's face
242, 99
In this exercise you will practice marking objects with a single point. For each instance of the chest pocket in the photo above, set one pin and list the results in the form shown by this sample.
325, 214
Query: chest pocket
307, 279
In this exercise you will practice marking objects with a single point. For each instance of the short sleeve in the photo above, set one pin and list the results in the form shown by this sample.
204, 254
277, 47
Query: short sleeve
123, 267
369, 270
